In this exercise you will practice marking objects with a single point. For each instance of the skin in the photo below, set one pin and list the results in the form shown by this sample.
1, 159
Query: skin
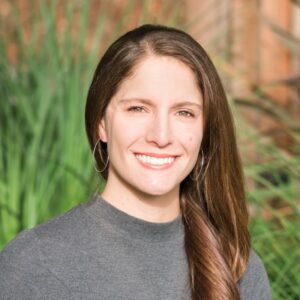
156, 112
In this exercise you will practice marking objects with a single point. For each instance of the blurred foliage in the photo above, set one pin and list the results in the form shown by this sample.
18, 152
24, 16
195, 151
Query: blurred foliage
47, 55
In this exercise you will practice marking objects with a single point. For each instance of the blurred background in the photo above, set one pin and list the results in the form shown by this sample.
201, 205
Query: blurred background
48, 52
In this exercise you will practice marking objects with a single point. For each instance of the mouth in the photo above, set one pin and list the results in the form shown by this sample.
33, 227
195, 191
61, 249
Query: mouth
156, 161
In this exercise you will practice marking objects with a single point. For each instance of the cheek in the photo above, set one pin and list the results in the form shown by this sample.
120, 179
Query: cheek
124, 133
191, 134
194, 141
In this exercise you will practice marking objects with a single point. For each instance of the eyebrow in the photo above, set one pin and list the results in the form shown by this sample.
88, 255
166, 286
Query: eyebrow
150, 102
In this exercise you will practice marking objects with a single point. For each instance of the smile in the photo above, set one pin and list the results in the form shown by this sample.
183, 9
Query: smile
155, 161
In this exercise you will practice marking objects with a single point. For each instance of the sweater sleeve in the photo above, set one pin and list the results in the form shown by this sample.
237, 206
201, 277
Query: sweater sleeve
254, 285
24, 274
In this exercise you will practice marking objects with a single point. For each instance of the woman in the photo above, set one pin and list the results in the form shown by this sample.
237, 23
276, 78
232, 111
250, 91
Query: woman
171, 222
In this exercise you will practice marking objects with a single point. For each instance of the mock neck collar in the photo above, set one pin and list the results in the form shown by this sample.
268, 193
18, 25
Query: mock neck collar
132, 227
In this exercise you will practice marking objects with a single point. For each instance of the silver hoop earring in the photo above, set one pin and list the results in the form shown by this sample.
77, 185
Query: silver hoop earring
107, 161
201, 167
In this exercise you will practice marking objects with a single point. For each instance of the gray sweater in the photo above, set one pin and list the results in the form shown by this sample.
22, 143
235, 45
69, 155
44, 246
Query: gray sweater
96, 251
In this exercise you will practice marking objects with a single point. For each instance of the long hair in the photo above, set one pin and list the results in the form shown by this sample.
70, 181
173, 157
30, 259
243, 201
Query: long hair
212, 197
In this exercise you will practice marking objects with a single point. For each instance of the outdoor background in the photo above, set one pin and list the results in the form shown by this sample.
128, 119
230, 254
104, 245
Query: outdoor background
48, 53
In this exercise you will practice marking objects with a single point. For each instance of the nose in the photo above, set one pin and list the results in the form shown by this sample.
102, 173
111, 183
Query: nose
160, 131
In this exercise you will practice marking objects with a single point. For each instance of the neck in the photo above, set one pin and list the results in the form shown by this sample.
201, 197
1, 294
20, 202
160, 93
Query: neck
151, 208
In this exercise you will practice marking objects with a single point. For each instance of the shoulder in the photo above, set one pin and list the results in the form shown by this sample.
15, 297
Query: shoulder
59, 230
255, 283
54, 230
26, 262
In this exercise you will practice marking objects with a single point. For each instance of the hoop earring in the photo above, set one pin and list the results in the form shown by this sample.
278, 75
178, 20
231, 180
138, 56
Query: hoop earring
107, 161
201, 167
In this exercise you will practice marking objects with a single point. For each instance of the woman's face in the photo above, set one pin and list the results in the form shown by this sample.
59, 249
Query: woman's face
153, 128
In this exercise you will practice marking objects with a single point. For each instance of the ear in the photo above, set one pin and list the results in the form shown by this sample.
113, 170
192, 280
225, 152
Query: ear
102, 131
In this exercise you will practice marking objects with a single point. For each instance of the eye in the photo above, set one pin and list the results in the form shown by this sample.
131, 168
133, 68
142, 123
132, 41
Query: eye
185, 113
136, 108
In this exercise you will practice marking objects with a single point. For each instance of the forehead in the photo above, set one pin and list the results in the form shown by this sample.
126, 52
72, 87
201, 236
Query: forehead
160, 77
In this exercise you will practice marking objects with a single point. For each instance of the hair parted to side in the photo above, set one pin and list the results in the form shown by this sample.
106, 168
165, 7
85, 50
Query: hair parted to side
214, 211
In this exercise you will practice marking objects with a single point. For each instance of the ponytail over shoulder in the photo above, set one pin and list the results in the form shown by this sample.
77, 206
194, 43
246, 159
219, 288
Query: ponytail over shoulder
210, 275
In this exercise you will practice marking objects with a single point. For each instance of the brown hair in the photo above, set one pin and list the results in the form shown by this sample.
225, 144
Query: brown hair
213, 204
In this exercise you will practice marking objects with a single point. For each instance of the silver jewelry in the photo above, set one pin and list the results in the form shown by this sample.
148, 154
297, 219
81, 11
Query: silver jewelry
201, 167
100, 154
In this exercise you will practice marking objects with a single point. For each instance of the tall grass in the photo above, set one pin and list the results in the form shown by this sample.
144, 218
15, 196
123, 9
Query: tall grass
45, 166
45, 163
273, 194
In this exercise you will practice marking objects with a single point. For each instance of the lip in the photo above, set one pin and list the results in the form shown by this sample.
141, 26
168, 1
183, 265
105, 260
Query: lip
156, 155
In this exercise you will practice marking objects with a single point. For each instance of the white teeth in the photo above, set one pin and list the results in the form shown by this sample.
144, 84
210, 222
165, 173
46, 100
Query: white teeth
155, 160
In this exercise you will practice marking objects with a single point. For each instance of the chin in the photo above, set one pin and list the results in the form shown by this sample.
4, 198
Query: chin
156, 191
